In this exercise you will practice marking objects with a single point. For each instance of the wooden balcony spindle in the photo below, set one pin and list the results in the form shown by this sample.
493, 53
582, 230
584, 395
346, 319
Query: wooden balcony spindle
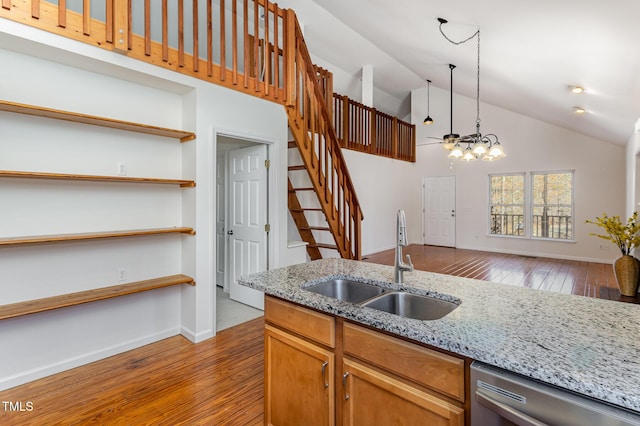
266, 48
147, 27
35, 8
223, 43
196, 47
234, 42
165, 32
256, 40
86, 17
62, 13
181, 33
245, 43
209, 38
276, 49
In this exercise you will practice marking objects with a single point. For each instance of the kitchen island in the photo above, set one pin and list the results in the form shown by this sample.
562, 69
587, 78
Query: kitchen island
589, 346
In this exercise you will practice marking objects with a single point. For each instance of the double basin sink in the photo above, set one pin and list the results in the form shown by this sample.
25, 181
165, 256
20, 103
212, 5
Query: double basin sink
401, 303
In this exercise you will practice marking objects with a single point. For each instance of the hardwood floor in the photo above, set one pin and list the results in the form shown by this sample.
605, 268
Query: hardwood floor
220, 381
171, 382
562, 276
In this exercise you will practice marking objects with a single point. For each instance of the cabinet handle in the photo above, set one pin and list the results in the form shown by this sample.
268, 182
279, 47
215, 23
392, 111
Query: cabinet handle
324, 370
344, 385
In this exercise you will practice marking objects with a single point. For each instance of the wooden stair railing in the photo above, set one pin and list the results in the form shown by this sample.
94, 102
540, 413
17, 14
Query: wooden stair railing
312, 128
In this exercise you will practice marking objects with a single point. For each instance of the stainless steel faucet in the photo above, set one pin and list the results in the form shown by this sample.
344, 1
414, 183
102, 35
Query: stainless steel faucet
401, 235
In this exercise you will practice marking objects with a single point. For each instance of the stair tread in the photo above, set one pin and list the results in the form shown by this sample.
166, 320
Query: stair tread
315, 228
321, 245
292, 144
301, 167
301, 189
310, 209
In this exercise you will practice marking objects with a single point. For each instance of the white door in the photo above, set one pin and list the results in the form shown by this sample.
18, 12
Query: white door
247, 220
439, 211
221, 215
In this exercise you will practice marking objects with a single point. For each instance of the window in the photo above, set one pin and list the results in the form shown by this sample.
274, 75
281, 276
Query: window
552, 205
544, 211
507, 204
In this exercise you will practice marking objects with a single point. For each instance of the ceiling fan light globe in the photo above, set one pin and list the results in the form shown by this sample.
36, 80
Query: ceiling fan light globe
497, 151
456, 152
479, 148
468, 155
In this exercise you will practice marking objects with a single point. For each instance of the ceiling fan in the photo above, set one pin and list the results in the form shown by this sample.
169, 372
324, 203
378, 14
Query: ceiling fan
448, 140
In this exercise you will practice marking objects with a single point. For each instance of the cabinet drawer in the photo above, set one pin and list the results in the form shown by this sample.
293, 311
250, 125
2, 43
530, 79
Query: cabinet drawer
305, 322
440, 372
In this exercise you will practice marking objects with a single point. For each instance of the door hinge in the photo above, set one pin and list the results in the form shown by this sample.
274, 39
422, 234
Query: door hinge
267, 163
267, 228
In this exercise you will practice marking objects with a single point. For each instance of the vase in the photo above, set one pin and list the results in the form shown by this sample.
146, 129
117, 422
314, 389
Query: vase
627, 269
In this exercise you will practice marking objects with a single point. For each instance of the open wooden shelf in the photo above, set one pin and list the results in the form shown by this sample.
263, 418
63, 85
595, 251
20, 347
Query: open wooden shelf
93, 236
68, 176
72, 299
182, 135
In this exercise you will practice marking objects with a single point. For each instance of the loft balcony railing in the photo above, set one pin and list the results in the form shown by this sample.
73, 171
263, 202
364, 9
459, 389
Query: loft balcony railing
365, 129
239, 44
234, 43
558, 227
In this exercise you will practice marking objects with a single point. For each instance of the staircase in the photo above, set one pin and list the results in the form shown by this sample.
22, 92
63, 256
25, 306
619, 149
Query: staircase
267, 58
331, 219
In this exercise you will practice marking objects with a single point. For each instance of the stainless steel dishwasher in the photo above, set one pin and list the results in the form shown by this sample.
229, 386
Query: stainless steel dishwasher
501, 398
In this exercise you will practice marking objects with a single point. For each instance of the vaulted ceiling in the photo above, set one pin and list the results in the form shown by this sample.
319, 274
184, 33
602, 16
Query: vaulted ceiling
531, 52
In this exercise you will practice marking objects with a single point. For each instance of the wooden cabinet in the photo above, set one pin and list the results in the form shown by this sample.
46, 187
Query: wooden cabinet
375, 398
299, 386
299, 372
381, 380
390, 381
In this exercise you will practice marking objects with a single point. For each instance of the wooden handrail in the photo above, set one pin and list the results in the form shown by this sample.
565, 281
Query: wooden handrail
65, 300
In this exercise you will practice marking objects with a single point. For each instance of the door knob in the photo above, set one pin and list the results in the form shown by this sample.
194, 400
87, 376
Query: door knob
230, 232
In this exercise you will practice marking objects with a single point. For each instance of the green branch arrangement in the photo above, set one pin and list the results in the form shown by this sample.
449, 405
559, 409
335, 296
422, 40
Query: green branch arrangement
624, 236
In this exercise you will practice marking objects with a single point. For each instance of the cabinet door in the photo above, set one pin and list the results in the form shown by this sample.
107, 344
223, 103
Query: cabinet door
373, 398
299, 387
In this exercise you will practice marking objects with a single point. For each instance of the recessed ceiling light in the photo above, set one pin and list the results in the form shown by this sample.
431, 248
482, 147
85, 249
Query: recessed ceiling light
579, 110
576, 89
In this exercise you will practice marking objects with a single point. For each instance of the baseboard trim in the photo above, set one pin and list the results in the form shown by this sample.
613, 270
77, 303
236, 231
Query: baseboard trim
48, 370
536, 254
196, 337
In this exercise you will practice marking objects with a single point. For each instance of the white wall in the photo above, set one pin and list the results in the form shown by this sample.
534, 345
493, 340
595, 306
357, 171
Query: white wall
384, 185
60, 73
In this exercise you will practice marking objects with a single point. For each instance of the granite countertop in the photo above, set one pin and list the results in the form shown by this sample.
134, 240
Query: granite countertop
590, 346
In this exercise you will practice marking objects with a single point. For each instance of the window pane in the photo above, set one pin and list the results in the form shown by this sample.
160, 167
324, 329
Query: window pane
552, 211
507, 205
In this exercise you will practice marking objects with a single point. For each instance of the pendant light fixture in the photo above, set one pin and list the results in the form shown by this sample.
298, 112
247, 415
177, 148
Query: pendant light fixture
486, 147
428, 120
451, 140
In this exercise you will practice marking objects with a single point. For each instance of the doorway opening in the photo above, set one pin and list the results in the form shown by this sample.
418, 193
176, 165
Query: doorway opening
241, 198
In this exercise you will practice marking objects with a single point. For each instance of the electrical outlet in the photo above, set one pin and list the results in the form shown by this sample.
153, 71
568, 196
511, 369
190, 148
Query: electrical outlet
122, 168
122, 276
